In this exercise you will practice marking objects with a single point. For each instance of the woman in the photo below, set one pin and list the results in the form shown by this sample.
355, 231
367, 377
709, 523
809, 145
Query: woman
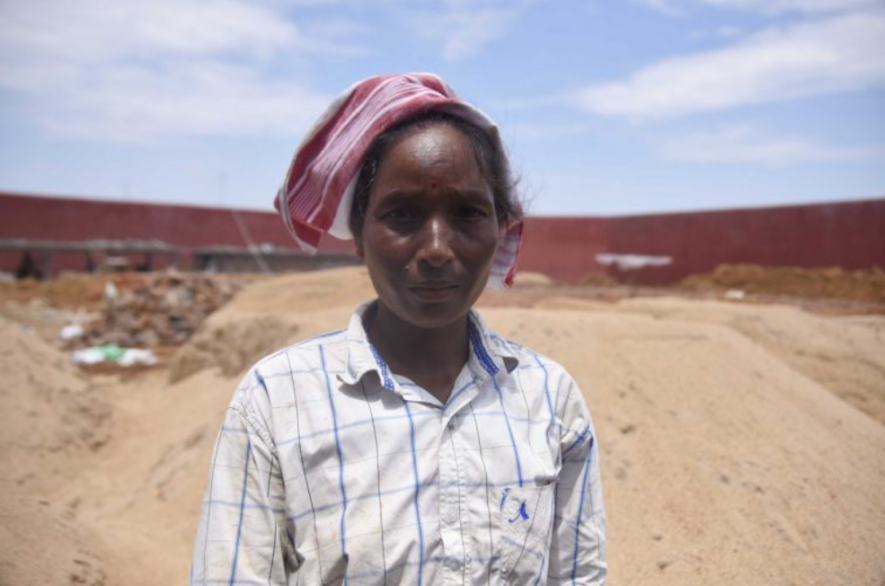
416, 446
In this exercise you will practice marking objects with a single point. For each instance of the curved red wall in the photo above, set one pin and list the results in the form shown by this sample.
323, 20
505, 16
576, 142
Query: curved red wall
67, 219
850, 235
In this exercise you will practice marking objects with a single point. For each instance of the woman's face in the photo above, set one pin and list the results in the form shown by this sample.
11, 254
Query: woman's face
430, 230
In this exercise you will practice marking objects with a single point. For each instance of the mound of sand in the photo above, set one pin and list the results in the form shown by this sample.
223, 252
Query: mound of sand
722, 464
730, 451
47, 411
529, 279
281, 311
844, 354
42, 545
865, 285
142, 493
51, 423
268, 316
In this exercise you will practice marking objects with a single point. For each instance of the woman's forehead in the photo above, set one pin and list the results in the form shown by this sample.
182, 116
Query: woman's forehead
433, 153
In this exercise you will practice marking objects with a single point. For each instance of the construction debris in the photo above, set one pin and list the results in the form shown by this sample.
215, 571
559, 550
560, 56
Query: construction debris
166, 310
114, 354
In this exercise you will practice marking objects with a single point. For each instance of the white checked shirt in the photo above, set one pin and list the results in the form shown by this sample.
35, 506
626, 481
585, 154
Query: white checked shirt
330, 469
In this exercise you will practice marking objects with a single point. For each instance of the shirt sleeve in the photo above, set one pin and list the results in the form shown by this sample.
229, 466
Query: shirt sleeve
577, 550
242, 536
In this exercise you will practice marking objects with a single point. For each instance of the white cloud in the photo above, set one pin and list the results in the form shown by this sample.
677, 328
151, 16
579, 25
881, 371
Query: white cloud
464, 27
839, 54
670, 7
133, 71
726, 32
748, 144
467, 32
530, 132
770, 7
722, 32
104, 30
192, 99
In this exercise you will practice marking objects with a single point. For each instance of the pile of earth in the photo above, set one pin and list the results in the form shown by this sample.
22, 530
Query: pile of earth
771, 420
267, 317
52, 421
834, 283
740, 443
48, 409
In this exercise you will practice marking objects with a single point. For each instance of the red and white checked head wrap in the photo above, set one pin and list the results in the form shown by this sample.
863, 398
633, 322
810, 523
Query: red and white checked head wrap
318, 192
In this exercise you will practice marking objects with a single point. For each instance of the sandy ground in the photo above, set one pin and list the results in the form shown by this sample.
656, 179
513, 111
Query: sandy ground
741, 444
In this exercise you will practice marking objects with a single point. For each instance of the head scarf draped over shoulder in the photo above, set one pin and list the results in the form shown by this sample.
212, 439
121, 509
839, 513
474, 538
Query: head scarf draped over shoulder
318, 191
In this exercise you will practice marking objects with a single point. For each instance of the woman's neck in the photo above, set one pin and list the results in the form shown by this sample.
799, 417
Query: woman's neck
432, 358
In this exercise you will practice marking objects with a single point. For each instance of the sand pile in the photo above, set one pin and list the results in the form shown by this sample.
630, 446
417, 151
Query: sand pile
49, 413
141, 492
529, 279
51, 423
866, 285
43, 545
729, 453
722, 464
845, 354
270, 316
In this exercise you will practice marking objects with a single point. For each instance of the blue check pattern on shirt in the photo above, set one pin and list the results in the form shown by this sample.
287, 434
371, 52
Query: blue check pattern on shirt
330, 469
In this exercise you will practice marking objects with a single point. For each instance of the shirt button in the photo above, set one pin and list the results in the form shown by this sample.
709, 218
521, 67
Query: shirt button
451, 425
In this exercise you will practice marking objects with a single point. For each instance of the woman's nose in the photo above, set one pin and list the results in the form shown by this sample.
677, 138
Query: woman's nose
436, 246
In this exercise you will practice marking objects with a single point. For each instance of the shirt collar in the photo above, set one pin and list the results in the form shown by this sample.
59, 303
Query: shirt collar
490, 355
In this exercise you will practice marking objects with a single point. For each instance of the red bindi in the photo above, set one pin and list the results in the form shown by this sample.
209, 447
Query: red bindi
433, 183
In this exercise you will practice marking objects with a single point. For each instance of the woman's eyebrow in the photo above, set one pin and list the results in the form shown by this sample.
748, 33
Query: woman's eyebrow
476, 196
398, 195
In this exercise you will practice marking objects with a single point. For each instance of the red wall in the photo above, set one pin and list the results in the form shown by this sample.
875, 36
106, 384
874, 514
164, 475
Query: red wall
64, 219
49, 218
564, 248
850, 235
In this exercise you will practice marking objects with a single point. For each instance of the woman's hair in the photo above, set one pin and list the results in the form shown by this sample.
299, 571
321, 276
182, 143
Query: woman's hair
490, 158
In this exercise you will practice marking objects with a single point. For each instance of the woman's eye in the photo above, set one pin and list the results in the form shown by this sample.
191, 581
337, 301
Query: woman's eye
472, 212
400, 215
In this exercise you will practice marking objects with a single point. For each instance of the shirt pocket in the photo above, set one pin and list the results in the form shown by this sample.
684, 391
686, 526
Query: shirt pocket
526, 516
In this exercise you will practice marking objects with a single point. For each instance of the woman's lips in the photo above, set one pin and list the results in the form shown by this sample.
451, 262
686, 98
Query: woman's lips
434, 292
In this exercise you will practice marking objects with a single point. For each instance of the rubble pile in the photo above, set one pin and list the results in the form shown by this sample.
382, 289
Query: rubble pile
166, 310
70, 290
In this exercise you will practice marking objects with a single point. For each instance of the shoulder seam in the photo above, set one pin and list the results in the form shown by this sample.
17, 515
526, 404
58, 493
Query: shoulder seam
255, 425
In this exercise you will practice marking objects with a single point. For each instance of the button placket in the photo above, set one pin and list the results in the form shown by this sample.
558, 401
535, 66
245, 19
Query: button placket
461, 495
450, 529
457, 547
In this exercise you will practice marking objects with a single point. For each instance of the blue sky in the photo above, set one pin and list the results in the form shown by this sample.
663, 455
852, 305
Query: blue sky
607, 106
